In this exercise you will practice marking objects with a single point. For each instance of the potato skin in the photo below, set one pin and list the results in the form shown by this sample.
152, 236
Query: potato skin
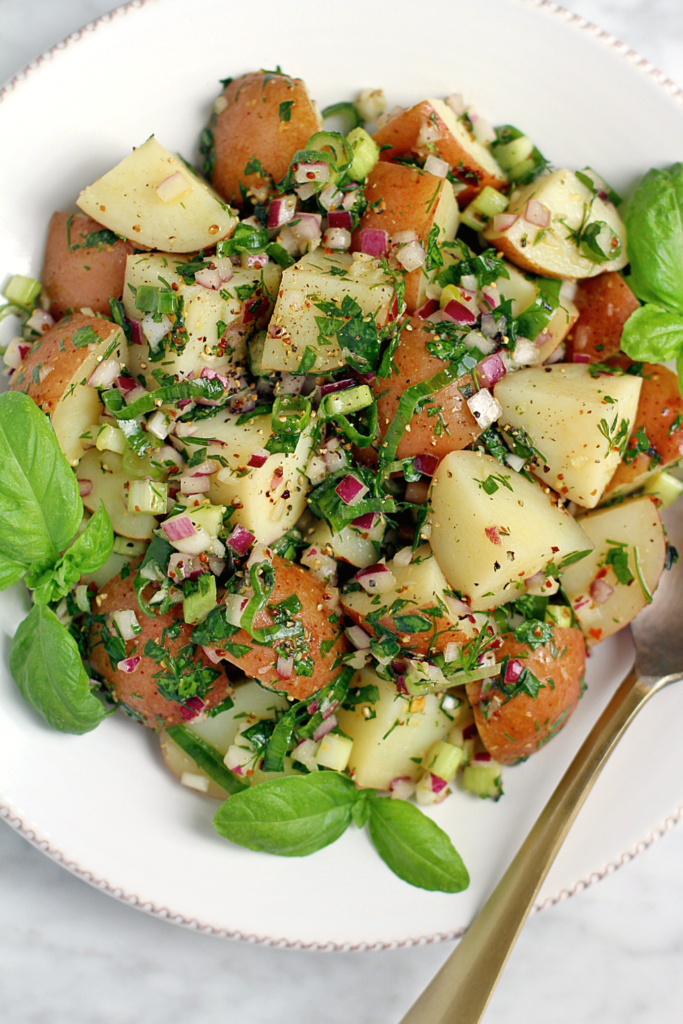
138, 689
407, 198
292, 579
85, 277
249, 127
659, 405
523, 725
605, 303
56, 352
415, 364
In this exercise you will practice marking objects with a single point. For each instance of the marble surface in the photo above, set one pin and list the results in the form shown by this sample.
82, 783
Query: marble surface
71, 955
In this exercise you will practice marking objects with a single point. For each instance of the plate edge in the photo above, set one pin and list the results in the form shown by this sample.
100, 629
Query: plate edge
676, 92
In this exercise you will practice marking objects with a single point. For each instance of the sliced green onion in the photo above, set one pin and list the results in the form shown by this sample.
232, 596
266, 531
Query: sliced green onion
150, 299
206, 757
11, 310
343, 110
349, 401
341, 148
262, 591
643, 585
291, 414
365, 154
23, 291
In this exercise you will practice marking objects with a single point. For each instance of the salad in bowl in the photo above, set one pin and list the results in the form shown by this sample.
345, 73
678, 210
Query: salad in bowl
332, 460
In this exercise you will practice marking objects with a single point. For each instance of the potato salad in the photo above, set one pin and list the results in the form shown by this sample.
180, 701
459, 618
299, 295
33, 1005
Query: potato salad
330, 458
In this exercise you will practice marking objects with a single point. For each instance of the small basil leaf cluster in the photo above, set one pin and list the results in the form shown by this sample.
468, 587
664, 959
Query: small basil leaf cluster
40, 512
296, 815
654, 222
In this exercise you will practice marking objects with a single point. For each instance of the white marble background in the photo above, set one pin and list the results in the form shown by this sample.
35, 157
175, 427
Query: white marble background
71, 955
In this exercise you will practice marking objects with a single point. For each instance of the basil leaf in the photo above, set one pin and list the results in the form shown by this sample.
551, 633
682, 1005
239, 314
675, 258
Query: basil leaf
281, 739
206, 756
654, 227
10, 572
40, 508
652, 334
93, 547
290, 817
48, 670
414, 846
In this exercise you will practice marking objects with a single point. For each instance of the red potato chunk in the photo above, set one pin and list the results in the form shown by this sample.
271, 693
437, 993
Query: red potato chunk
660, 415
605, 303
260, 662
250, 123
401, 199
403, 135
138, 691
76, 275
513, 730
446, 423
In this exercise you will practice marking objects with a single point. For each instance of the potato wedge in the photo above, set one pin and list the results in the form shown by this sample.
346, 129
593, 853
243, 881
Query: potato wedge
602, 602
104, 473
604, 303
56, 371
488, 544
660, 420
551, 251
511, 729
433, 121
261, 119
385, 746
405, 198
80, 269
322, 276
320, 645
580, 424
128, 200
139, 691
352, 544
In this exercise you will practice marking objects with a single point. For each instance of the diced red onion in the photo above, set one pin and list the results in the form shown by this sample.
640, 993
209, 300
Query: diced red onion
337, 238
205, 468
437, 783
258, 458
212, 655
436, 166
284, 667
255, 260
411, 256
349, 200
358, 637
185, 429
208, 278
240, 540
504, 221
426, 464
489, 327
351, 490
216, 565
491, 370
536, 579
469, 732
337, 385
580, 357
327, 726
600, 591
104, 375
134, 394
281, 211
126, 384
456, 607
136, 335
330, 197
168, 454
306, 227
536, 213
366, 521
431, 306
193, 484
513, 670
187, 713
459, 313
178, 528
491, 299
376, 579
84, 488
482, 756
317, 171
184, 567
374, 241
129, 664
340, 219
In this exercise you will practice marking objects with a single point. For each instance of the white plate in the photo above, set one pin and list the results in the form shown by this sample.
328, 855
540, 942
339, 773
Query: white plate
104, 802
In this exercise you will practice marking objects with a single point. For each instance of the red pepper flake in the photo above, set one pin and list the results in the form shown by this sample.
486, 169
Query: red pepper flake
492, 534
596, 634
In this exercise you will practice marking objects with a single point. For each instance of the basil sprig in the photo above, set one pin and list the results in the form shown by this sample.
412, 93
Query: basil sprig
40, 511
298, 815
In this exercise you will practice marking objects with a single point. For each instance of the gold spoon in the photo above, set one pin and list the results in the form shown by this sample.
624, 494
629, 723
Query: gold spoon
460, 992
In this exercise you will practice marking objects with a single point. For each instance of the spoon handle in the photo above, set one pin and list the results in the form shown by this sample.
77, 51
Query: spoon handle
460, 992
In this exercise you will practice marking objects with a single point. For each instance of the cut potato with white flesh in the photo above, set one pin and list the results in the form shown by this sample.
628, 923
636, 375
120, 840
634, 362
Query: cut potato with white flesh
602, 604
559, 326
205, 312
267, 499
580, 424
551, 251
250, 701
522, 290
104, 471
351, 544
314, 278
403, 728
127, 200
487, 545
518, 287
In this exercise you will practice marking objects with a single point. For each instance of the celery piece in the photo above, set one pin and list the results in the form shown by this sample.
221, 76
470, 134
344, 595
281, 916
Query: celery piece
208, 516
334, 752
129, 548
365, 154
255, 346
147, 496
111, 439
198, 605
484, 779
139, 466
489, 202
443, 759
511, 153
559, 615
664, 486
22, 290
